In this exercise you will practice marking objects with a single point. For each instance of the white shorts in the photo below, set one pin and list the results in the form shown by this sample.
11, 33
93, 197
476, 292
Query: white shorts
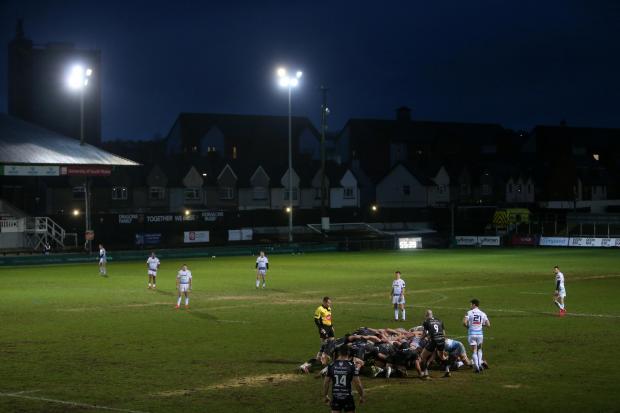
475, 340
262, 272
153, 273
562, 293
398, 299
183, 288
102, 260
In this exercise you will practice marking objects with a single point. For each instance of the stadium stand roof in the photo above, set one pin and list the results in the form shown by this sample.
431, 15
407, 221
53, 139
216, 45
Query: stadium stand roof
24, 143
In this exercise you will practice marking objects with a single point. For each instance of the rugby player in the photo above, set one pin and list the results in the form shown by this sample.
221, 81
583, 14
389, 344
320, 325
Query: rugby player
152, 265
184, 285
341, 374
560, 291
475, 320
457, 356
103, 259
435, 334
397, 294
262, 265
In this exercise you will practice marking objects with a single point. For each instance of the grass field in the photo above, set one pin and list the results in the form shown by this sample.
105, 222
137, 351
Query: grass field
72, 341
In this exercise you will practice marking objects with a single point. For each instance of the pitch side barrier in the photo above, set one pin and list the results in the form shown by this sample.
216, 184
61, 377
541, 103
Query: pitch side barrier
589, 242
133, 255
535, 240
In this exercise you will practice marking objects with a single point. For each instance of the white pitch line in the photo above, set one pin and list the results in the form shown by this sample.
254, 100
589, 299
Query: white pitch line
24, 392
68, 403
533, 293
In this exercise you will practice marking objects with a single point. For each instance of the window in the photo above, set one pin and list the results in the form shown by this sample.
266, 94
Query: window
486, 189
260, 193
234, 152
406, 190
226, 192
295, 194
157, 193
211, 149
119, 193
518, 188
441, 189
192, 194
349, 192
78, 192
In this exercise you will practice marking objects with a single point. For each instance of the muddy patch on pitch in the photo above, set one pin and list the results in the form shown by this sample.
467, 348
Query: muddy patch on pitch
250, 381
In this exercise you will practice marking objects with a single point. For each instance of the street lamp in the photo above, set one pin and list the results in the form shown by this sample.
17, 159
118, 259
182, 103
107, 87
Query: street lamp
78, 80
289, 82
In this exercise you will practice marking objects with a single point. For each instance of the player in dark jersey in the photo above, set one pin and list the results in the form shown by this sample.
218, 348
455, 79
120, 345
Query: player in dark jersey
435, 334
341, 373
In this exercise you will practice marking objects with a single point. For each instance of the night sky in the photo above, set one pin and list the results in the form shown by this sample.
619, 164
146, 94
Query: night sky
518, 63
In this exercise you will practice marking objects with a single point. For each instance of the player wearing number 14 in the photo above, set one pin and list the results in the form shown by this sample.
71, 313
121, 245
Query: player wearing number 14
341, 373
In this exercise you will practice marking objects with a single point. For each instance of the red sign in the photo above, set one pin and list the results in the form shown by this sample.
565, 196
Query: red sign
524, 240
86, 170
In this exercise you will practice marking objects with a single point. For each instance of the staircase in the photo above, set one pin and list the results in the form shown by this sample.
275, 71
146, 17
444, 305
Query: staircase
41, 230
33, 233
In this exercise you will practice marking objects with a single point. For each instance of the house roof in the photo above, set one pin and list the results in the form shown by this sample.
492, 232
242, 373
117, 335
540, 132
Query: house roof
255, 133
27, 144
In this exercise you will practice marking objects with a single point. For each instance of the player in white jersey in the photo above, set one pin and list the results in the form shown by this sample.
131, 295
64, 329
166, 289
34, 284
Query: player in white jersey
152, 265
262, 265
397, 294
103, 259
560, 291
184, 285
475, 320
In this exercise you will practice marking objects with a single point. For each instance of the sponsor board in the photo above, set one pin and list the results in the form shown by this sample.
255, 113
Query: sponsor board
190, 237
148, 238
585, 242
595, 242
489, 241
524, 240
30, 170
463, 240
610, 242
86, 170
553, 241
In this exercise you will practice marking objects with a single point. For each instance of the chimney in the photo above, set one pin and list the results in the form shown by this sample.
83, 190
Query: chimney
403, 113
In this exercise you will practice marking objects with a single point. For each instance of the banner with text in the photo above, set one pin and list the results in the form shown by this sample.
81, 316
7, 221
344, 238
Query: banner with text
595, 242
463, 240
30, 170
553, 241
190, 237
524, 240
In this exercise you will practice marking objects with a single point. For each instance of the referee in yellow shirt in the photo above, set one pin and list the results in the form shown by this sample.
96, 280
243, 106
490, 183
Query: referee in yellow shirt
323, 319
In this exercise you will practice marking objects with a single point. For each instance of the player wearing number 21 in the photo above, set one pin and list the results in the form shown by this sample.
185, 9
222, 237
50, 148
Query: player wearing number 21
475, 320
